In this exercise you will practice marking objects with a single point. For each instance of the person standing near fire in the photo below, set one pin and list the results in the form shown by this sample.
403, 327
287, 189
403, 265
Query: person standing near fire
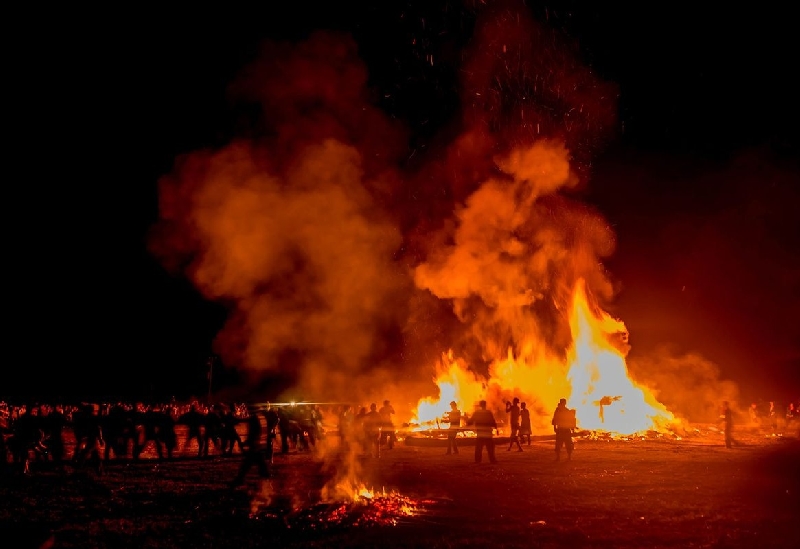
484, 422
372, 431
454, 418
563, 424
513, 409
524, 423
727, 423
387, 425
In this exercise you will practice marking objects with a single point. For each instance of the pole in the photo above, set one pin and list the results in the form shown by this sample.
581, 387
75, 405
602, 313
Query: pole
210, 377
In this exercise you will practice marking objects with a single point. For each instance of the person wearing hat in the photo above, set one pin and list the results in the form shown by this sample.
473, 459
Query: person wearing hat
563, 424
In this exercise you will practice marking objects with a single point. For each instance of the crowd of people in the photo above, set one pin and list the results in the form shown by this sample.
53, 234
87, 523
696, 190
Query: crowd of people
100, 433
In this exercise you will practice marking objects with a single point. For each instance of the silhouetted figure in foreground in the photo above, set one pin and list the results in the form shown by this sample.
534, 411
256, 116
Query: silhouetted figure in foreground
484, 422
257, 448
563, 424
454, 418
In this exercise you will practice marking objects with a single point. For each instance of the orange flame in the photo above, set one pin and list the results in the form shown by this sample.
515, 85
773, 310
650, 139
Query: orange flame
456, 383
594, 379
605, 398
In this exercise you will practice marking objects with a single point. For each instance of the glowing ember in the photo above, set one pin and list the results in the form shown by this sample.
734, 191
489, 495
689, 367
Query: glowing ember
366, 508
382, 509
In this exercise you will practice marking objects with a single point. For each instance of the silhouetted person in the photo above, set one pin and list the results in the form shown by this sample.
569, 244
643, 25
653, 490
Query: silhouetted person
791, 416
513, 409
273, 422
772, 414
166, 435
53, 423
484, 422
727, 424
563, 424
284, 429
454, 418
358, 424
229, 435
212, 423
195, 429
257, 452
89, 447
118, 429
346, 427
307, 426
525, 429
755, 416
27, 438
387, 424
372, 431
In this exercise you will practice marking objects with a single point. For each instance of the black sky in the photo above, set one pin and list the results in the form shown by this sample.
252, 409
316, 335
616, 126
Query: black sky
700, 180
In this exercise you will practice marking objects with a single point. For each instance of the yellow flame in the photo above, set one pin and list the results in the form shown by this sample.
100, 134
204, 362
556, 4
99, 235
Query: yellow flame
456, 383
594, 379
603, 395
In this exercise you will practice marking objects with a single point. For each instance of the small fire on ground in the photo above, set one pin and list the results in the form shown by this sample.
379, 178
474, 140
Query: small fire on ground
363, 508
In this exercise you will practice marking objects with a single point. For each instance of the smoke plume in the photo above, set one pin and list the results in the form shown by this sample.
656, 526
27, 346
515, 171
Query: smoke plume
349, 260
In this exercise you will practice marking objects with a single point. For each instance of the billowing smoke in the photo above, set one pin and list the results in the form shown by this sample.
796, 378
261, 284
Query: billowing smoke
288, 230
687, 382
517, 243
350, 262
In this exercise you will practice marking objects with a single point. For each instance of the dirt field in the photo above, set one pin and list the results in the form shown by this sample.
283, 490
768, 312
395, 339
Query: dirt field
613, 494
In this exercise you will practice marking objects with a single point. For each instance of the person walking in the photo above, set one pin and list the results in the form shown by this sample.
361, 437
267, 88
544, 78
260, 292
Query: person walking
513, 409
257, 447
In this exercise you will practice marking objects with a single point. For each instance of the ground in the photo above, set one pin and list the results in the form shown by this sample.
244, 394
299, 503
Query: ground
653, 492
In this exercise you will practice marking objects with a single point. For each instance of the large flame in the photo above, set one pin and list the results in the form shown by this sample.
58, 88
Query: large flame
604, 396
594, 379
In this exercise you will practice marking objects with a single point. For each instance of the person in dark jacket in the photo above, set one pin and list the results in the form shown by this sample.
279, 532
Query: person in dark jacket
563, 424
484, 422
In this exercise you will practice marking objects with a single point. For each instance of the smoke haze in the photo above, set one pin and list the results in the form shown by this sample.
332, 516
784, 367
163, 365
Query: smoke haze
349, 261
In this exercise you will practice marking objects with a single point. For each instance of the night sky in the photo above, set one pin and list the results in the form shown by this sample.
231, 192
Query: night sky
687, 146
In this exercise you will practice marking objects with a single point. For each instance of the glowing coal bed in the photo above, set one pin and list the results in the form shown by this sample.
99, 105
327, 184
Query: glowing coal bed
365, 509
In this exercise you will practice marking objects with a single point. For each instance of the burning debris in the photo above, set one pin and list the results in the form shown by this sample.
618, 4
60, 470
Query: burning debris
364, 508
367, 509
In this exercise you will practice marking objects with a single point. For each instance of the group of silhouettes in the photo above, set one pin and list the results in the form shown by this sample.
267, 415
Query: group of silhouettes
484, 424
106, 432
